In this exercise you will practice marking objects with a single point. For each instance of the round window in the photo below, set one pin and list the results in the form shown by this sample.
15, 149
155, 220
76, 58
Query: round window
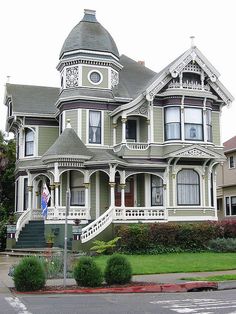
95, 77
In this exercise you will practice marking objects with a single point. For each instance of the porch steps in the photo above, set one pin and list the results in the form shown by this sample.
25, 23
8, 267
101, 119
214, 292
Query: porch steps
32, 235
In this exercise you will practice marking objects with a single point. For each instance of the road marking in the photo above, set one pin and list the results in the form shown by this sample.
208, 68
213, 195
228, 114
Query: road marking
197, 306
18, 306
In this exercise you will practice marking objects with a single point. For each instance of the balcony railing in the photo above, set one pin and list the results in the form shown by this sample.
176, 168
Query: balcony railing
140, 213
131, 146
189, 85
74, 213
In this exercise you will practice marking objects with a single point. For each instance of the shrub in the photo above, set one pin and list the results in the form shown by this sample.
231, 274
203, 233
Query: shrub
134, 237
87, 273
29, 274
118, 270
105, 247
223, 245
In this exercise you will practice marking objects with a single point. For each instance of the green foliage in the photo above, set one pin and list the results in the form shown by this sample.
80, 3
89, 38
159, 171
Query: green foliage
103, 247
87, 273
118, 270
222, 245
173, 237
50, 237
29, 274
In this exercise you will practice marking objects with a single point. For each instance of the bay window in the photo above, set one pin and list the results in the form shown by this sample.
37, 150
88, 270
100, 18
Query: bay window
77, 189
188, 187
94, 127
193, 124
172, 123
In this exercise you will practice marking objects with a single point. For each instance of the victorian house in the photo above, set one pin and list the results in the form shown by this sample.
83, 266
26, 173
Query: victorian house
130, 144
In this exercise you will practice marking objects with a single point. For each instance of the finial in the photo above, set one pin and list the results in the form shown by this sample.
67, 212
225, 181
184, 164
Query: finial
8, 78
192, 41
68, 126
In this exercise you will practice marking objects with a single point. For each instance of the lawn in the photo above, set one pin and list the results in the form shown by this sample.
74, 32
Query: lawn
176, 262
212, 278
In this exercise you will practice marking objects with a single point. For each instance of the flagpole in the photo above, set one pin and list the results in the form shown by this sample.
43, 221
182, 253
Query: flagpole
65, 241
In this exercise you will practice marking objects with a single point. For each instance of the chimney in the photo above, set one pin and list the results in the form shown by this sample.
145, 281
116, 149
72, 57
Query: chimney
142, 62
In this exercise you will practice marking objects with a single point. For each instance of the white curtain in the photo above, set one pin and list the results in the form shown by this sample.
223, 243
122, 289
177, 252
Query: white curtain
94, 121
188, 187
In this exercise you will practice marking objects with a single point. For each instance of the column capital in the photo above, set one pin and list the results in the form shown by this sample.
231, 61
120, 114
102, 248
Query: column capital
114, 125
52, 186
122, 185
86, 185
57, 184
123, 120
112, 184
30, 188
37, 193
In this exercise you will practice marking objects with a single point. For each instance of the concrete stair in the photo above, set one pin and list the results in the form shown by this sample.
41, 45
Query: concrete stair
32, 235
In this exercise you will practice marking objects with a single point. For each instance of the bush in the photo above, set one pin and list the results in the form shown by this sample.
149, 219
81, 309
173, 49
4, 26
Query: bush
102, 247
118, 270
222, 245
87, 273
29, 274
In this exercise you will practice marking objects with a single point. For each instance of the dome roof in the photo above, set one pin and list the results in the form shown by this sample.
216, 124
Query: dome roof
89, 34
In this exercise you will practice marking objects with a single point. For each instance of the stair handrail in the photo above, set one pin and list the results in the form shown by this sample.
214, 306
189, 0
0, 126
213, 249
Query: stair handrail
21, 222
97, 226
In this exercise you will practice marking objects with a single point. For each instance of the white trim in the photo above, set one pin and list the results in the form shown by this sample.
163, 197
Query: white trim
79, 123
192, 218
89, 52
97, 184
63, 120
147, 180
135, 189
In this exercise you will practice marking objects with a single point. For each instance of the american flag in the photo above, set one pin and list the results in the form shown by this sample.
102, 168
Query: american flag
44, 201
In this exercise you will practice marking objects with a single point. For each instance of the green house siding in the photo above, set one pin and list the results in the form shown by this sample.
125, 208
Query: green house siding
158, 123
46, 137
73, 116
119, 132
93, 196
140, 190
84, 125
107, 129
104, 192
85, 73
192, 213
216, 128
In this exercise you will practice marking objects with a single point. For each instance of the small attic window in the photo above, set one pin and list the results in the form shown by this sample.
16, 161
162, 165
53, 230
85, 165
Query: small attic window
191, 78
95, 77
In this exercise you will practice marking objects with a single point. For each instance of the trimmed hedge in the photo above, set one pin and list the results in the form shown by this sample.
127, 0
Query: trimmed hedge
173, 236
118, 270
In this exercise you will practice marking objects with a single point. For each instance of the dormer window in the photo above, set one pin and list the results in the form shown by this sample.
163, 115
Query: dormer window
29, 142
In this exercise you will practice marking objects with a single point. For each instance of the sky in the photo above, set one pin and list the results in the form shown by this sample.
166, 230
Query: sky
156, 31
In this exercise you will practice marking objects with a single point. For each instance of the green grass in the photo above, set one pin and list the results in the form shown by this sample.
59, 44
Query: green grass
212, 278
176, 262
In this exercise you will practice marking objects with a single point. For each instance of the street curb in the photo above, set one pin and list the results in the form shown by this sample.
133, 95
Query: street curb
154, 288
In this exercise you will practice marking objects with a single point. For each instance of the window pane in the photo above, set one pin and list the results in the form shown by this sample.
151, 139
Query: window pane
172, 131
95, 127
193, 132
231, 161
172, 114
131, 127
193, 115
227, 209
233, 205
25, 193
29, 142
157, 191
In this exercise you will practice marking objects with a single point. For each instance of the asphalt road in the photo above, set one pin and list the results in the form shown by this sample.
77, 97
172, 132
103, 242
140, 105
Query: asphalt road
218, 302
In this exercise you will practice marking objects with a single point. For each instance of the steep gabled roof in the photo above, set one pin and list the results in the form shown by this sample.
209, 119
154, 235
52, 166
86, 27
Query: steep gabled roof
68, 144
32, 99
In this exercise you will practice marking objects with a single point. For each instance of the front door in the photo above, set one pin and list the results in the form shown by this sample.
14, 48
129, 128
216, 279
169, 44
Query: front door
129, 193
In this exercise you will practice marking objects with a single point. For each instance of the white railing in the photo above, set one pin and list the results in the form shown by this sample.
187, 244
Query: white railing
97, 226
22, 221
139, 213
74, 213
137, 146
189, 85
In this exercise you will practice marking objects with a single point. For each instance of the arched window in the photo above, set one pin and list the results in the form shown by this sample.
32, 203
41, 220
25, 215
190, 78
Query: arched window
188, 187
29, 142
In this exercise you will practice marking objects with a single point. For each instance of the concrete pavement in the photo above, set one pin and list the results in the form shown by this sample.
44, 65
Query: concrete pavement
161, 282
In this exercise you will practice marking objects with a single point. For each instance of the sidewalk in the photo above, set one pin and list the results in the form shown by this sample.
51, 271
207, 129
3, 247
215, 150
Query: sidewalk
156, 283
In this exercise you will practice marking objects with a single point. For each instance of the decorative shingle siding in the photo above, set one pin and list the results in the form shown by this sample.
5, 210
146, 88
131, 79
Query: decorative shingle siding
73, 116
46, 137
158, 129
216, 128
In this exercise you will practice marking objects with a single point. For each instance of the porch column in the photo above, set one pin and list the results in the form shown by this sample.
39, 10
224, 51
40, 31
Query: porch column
124, 120
122, 191
112, 193
86, 195
52, 187
214, 191
57, 184
114, 125
30, 188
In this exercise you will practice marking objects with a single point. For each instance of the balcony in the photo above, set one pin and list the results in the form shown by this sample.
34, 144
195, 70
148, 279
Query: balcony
190, 85
131, 146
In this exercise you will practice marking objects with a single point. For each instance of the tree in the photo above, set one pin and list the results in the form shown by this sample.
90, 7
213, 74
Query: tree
7, 189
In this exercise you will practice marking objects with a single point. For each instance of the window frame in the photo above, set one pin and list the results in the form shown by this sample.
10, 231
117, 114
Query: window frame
229, 205
26, 143
98, 127
231, 162
188, 184
168, 123
157, 187
194, 124
208, 122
